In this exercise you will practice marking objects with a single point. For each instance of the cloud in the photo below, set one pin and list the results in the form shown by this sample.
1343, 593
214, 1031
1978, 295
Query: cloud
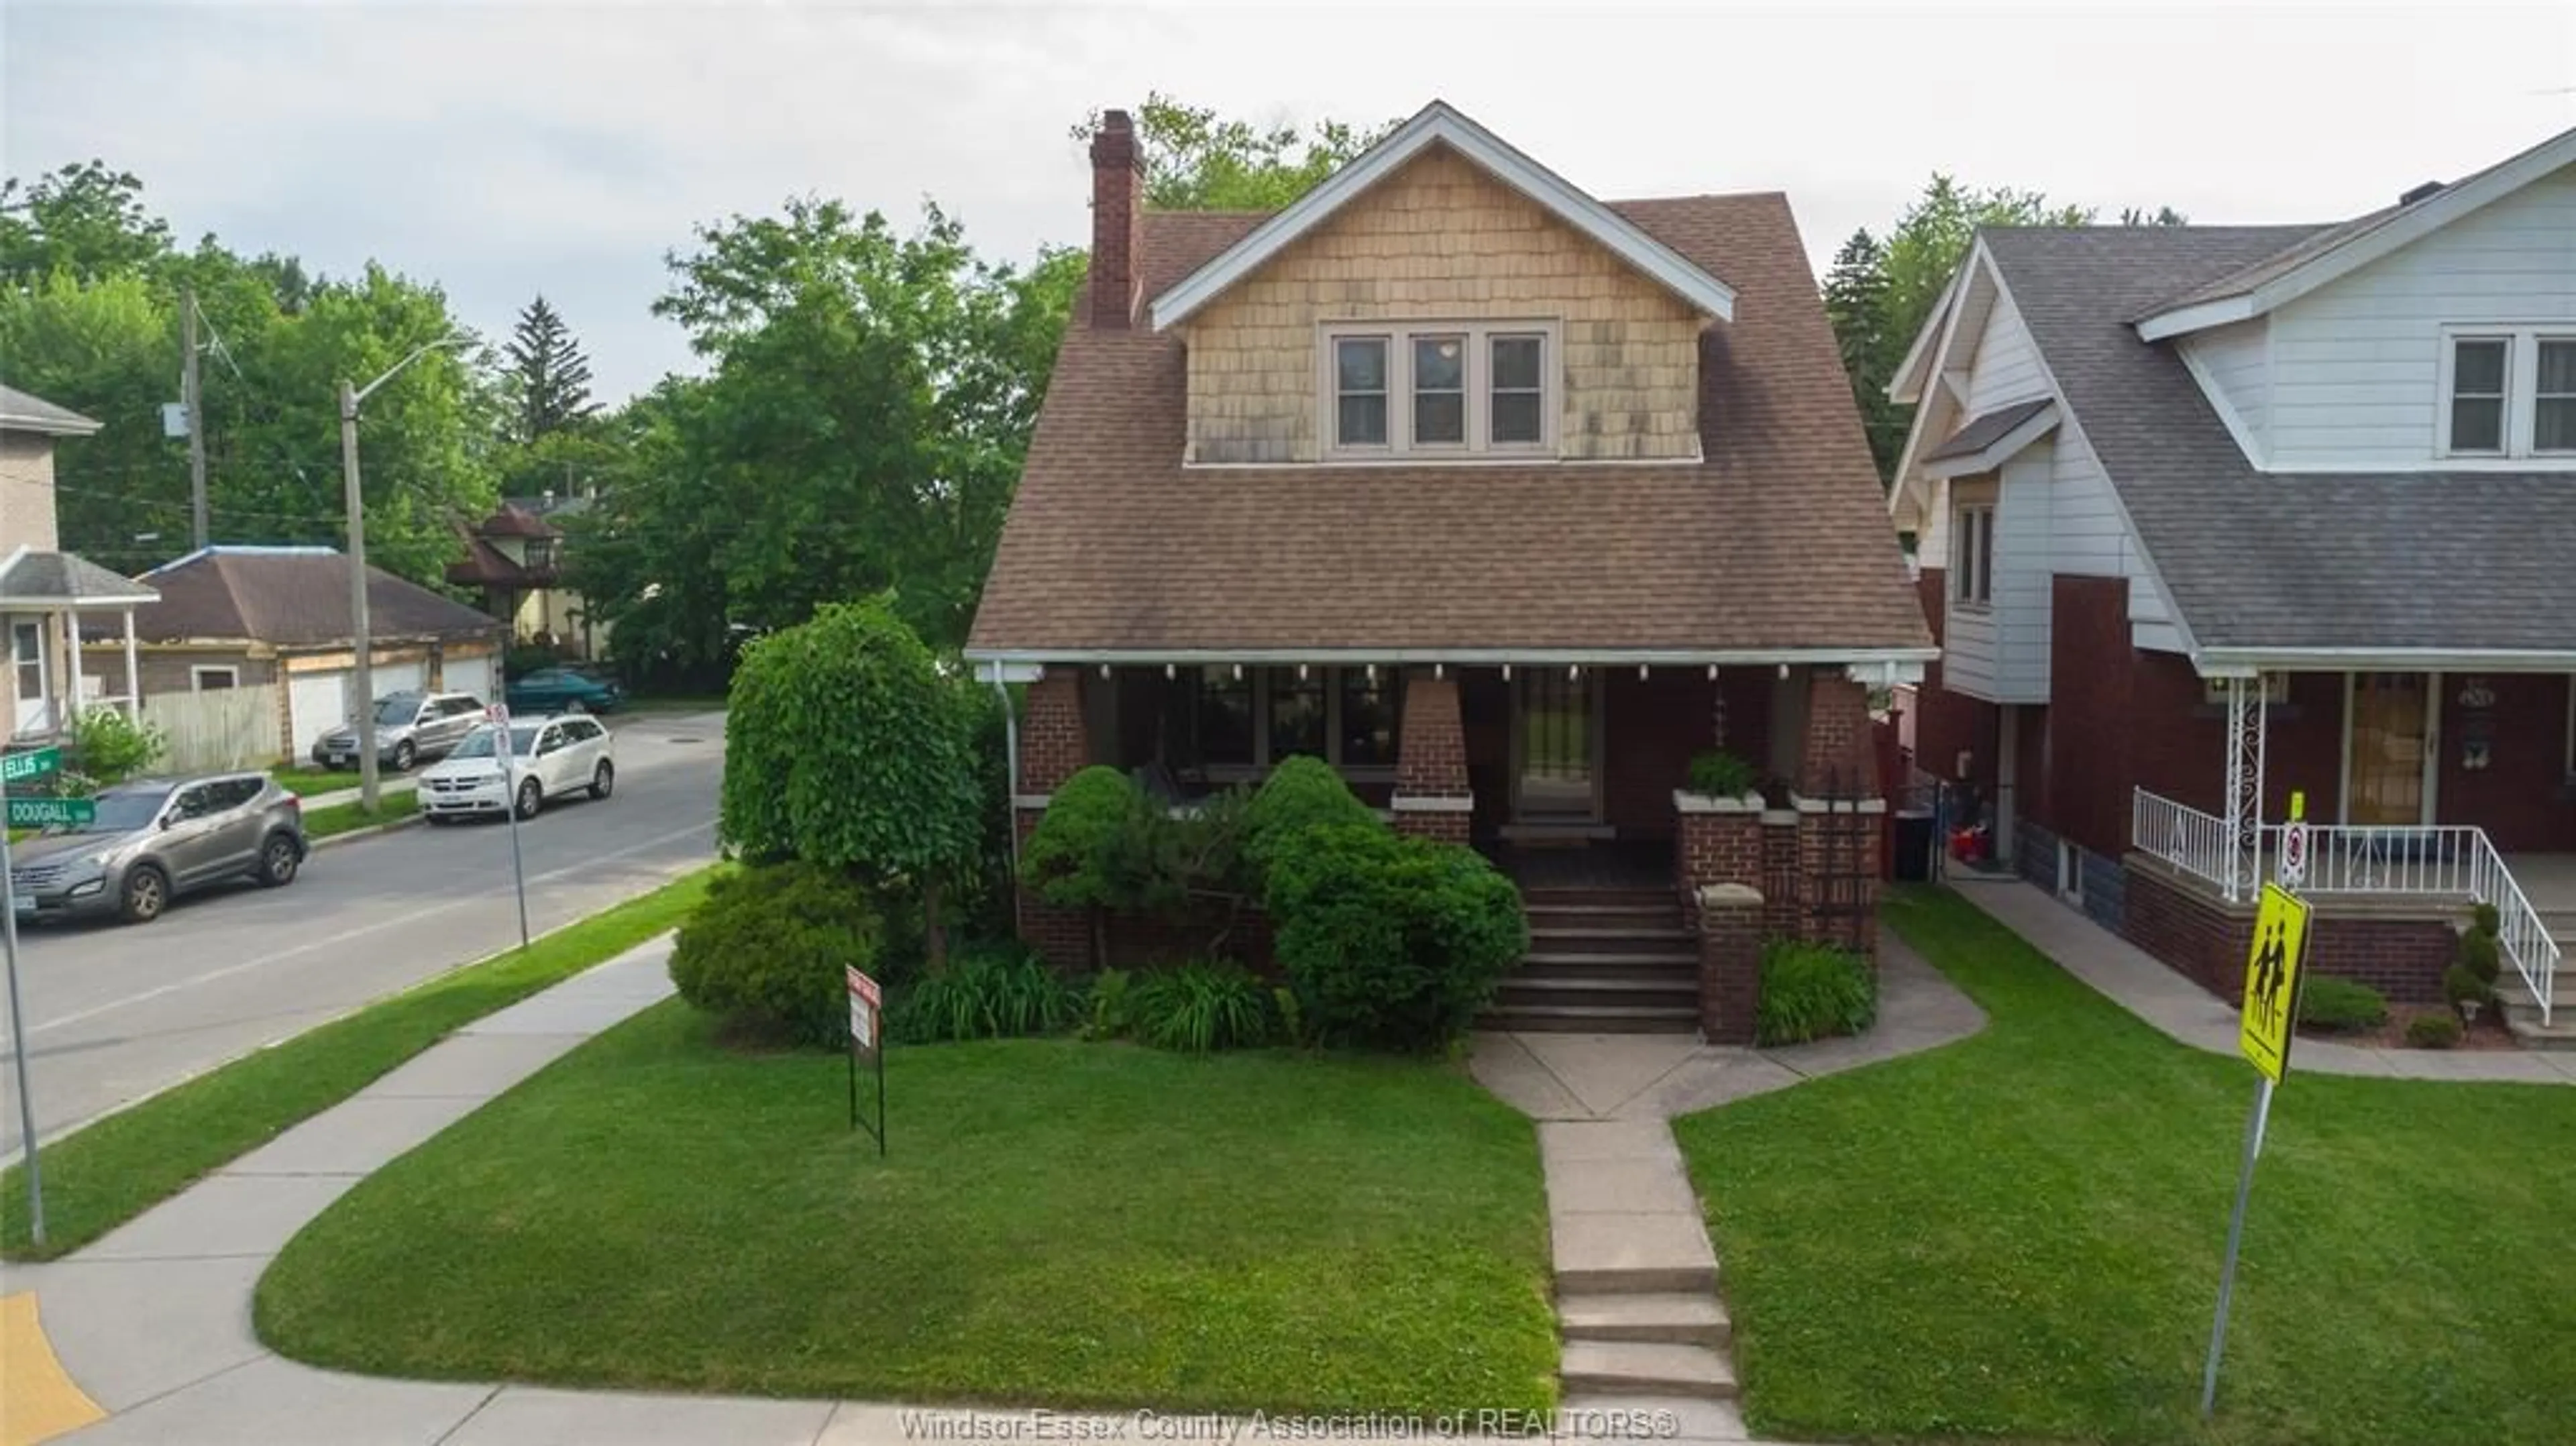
506, 150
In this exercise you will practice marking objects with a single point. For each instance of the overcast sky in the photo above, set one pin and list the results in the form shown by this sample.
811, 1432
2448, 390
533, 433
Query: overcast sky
504, 150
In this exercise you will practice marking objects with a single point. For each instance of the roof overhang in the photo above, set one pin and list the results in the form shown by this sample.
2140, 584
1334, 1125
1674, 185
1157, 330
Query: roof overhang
1874, 664
1439, 124
2402, 227
2248, 662
69, 424
1968, 461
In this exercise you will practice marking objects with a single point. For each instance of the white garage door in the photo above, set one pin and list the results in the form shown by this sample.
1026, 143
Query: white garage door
469, 675
316, 703
399, 678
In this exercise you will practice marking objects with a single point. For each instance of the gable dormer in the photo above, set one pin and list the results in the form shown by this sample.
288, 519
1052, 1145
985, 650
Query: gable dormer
1443, 299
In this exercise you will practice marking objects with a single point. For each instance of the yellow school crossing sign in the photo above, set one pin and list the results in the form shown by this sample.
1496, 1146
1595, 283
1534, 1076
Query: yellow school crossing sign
2272, 981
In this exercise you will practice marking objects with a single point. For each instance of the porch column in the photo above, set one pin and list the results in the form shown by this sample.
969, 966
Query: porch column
1841, 815
133, 677
1432, 799
1053, 747
1730, 962
2248, 717
71, 629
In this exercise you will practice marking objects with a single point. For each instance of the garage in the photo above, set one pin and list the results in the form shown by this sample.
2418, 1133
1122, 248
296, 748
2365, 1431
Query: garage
400, 678
316, 703
468, 675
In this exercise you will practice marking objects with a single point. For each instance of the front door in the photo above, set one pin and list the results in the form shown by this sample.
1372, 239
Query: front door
2391, 736
1556, 721
27, 659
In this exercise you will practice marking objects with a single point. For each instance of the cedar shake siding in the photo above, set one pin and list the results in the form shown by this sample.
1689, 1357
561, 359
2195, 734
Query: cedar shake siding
1440, 240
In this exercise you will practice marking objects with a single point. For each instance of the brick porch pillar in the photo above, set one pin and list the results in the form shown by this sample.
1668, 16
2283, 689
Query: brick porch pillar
1841, 815
1053, 748
1730, 962
1840, 756
1715, 841
1432, 799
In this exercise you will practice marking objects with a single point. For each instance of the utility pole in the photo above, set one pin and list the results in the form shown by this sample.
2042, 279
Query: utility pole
192, 390
362, 671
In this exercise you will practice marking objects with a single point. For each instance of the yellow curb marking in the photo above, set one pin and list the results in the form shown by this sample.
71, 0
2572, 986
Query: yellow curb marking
37, 1399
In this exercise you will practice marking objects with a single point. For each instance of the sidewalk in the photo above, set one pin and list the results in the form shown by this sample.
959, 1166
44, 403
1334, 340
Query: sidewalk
2138, 983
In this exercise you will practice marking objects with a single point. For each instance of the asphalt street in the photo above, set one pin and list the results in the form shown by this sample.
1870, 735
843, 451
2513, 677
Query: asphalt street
116, 1013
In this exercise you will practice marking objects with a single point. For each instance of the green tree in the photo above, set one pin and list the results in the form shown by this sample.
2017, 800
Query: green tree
1197, 160
548, 372
84, 220
849, 748
1856, 303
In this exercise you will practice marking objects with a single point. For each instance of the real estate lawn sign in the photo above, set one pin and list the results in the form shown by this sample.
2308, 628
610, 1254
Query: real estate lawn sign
867, 1008
2273, 974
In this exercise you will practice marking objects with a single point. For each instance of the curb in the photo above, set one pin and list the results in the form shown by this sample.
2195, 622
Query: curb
408, 820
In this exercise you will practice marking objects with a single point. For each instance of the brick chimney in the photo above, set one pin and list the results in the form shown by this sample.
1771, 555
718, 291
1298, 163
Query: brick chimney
1117, 200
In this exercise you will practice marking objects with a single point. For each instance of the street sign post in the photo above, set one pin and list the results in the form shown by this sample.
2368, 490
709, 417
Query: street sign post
2274, 970
18, 768
499, 716
46, 812
867, 1011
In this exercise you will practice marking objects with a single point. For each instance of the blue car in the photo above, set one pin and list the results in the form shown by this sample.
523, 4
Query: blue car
560, 690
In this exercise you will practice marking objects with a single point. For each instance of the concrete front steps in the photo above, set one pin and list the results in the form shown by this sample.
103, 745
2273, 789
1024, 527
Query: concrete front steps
1602, 961
1637, 1311
2522, 1012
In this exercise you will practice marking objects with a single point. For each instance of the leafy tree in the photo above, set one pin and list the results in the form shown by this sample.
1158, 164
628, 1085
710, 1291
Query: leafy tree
549, 373
1196, 160
84, 220
847, 747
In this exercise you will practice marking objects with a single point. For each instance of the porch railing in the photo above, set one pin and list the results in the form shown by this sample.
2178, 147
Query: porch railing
2452, 861
2182, 836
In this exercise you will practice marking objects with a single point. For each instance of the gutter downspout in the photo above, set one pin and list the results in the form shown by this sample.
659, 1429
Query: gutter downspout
1011, 746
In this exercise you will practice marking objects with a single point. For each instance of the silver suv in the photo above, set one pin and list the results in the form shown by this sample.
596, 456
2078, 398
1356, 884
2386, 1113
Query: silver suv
155, 839
410, 728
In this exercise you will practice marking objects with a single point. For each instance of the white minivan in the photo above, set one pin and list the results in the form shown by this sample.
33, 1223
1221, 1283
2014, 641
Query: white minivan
549, 758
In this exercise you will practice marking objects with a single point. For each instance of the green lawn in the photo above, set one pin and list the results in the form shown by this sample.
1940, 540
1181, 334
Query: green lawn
391, 804
1059, 1222
2019, 1236
114, 1170
306, 782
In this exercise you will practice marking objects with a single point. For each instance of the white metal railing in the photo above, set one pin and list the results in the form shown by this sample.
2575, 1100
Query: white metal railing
2444, 860
2182, 836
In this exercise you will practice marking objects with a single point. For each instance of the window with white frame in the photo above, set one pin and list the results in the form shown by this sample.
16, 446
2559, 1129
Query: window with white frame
1435, 389
1972, 544
202, 678
2508, 392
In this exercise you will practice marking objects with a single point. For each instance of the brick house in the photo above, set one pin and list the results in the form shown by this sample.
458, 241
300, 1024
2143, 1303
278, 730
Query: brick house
1502, 499
2213, 514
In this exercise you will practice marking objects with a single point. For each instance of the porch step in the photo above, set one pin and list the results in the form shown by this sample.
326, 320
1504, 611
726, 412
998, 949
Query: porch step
1667, 957
1600, 898
1645, 1368
1593, 1019
2522, 1017
1673, 1317
1542, 994
1624, 938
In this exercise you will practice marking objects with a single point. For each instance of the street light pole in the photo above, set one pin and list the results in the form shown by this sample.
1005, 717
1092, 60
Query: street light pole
362, 636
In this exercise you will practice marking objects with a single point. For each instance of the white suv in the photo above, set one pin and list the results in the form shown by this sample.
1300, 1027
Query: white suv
549, 757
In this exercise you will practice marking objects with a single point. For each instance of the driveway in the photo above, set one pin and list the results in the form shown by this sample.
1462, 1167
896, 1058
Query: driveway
116, 1013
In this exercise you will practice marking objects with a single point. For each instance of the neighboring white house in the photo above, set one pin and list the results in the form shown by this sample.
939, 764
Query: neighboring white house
2212, 514
41, 585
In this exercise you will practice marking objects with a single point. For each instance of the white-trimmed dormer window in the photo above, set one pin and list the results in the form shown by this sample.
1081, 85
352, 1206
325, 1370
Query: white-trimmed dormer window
2508, 392
1425, 390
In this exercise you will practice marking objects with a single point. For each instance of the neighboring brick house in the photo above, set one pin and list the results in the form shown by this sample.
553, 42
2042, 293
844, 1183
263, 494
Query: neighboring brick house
514, 559
43, 588
2214, 514
1504, 500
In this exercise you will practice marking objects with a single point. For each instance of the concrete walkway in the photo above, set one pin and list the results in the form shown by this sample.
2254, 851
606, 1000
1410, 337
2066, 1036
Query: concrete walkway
2136, 981
1636, 1277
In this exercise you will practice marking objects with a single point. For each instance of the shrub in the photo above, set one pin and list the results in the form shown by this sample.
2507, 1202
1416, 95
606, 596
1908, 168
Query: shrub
2462, 986
1812, 991
1067, 859
1300, 794
1200, 1007
992, 991
766, 947
1390, 941
1111, 1005
2486, 919
1720, 774
2480, 951
112, 748
2433, 1031
2339, 1006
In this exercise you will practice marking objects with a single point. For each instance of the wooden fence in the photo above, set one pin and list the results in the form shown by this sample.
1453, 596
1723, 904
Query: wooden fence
219, 728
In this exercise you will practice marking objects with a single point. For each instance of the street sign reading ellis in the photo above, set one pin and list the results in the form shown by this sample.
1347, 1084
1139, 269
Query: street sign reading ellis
47, 812
2272, 981
34, 763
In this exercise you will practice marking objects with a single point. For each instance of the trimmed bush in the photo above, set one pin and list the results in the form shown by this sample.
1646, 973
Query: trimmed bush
989, 991
2433, 1031
1109, 1006
1201, 1007
766, 947
2480, 951
1067, 858
2340, 1006
1812, 991
2462, 986
1720, 774
1390, 941
1300, 794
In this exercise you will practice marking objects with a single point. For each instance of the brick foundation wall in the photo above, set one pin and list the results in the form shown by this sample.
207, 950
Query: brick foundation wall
1431, 759
2205, 939
1053, 747
1715, 848
1780, 914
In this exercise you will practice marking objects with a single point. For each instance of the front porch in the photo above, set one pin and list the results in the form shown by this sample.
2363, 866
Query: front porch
51, 679
1571, 776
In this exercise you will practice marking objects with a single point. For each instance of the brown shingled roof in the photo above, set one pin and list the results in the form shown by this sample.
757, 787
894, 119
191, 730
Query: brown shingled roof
1779, 541
290, 597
